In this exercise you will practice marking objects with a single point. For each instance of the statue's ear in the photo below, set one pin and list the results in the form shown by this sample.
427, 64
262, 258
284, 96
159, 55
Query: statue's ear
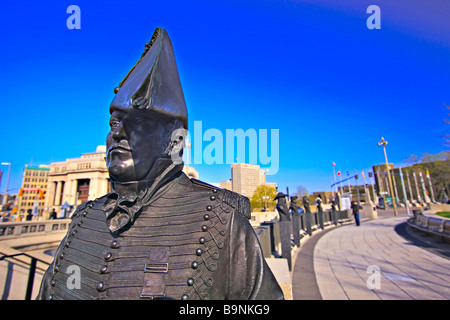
177, 144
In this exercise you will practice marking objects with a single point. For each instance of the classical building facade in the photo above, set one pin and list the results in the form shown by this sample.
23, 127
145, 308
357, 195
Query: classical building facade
77, 180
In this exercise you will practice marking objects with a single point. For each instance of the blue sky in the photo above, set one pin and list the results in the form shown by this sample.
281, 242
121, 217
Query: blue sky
311, 69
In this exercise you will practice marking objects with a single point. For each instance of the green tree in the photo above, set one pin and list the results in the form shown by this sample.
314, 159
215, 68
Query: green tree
257, 200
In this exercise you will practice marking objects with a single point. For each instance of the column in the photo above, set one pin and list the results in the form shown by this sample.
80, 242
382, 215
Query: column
67, 189
73, 192
57, 201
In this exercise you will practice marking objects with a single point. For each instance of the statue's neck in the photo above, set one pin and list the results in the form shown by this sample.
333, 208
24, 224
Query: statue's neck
162, 171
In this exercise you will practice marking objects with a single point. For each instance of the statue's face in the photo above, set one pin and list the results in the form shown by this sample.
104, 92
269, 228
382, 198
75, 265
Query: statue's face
136, 139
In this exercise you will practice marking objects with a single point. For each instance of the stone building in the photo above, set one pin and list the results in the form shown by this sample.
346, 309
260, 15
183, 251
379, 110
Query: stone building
77, 180
245, 178
33, 191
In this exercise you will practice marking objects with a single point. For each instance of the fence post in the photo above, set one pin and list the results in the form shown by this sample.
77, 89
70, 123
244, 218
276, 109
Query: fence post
31, 279
320, 216
308, 223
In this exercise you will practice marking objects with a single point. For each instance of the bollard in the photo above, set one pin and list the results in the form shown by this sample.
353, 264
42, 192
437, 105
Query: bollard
320, 216
308, 223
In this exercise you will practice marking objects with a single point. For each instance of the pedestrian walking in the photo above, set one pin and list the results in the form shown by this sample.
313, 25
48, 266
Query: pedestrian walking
355, 209
53, 214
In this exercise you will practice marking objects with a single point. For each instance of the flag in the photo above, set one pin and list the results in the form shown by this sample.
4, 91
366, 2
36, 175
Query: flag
339, 173
334, 164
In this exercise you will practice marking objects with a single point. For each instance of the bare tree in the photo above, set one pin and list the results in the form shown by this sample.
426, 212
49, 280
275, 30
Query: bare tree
447, 134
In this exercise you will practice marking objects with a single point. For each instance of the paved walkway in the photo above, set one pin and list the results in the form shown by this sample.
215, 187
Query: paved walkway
347, 260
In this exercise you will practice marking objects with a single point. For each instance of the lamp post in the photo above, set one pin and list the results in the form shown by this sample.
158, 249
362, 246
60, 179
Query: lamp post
384, 143
5, 196
265, 198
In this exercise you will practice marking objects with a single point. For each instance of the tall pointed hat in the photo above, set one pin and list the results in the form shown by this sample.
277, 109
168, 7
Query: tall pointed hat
153, 83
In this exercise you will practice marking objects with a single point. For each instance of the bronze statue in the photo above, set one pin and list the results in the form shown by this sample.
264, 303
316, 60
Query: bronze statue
281, 207
285, 227
295, 220
158, 234
305, 201
308, 218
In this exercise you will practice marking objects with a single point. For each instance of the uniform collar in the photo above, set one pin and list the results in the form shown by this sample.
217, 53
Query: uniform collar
127, 198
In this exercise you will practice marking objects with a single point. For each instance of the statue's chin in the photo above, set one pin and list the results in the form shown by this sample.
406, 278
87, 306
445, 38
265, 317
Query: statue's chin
121, 173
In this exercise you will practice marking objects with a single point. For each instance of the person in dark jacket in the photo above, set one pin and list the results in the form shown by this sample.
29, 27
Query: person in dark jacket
355, 210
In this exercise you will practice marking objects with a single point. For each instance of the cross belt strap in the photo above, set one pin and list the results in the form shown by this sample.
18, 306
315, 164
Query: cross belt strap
155, 271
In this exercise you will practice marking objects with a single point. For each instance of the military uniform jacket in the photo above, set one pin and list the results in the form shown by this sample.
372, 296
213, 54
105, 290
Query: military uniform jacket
193, 242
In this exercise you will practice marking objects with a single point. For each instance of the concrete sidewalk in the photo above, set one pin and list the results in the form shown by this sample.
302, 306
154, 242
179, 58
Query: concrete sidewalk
347, 260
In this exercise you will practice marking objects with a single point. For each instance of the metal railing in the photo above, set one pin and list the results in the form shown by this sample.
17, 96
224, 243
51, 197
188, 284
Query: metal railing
32, 269
10, 230
269, 234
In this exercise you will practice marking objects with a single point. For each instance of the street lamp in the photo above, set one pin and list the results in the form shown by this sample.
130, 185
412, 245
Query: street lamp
265, 198
5, 196
384, 143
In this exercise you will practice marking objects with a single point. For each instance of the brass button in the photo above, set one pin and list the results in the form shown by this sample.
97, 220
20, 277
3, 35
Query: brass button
108, 256
114, 244
100, 286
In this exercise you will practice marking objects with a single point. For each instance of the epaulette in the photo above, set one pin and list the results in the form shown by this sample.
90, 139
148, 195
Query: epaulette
238, 202
80, 208
204, 184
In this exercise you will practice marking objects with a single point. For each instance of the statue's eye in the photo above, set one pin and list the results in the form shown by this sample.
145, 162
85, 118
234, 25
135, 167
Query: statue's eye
113, 123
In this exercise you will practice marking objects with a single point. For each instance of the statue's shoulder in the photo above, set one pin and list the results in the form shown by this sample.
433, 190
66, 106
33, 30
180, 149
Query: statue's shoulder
90, 204
238, 202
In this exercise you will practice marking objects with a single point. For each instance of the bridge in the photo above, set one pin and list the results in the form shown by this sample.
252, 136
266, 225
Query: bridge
26, 250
